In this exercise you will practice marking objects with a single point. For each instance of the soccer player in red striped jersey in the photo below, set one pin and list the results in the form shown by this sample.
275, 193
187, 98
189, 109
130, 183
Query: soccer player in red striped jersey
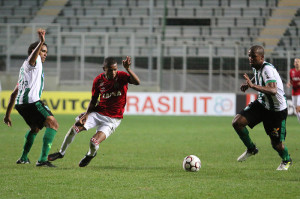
295, 83
106, 115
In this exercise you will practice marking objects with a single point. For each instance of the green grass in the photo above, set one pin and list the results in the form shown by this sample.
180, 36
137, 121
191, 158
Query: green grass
143, 159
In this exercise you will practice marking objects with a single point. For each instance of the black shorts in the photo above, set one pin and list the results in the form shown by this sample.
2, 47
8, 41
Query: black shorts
34, 114
274, 121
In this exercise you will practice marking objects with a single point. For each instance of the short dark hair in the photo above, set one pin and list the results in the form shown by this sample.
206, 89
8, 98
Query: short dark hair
109, 61
33, 46
258, 49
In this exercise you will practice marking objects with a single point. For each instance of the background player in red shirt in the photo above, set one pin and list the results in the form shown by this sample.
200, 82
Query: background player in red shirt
295, 83
105, 115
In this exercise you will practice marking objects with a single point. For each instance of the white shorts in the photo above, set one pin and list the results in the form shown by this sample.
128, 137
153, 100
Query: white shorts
103, 123
296, 100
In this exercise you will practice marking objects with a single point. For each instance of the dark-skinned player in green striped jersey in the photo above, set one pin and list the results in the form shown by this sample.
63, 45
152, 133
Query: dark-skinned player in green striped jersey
26, 97
270, 108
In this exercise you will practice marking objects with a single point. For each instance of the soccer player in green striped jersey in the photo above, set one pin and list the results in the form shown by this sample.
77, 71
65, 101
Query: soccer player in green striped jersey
26, 97
270, 108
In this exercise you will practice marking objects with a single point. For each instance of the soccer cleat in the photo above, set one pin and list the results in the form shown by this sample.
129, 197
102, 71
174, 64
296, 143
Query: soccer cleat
44, 164
55, 156
285, 165
247, 154
86, 160
19, 161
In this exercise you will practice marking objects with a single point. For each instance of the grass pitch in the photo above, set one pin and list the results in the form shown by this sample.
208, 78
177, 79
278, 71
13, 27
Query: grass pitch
143, 159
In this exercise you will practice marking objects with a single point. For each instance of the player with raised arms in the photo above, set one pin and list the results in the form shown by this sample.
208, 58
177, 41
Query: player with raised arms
26, 97
105, 115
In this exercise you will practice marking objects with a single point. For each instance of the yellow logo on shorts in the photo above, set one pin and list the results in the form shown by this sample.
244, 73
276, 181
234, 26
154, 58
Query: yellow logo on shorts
275, 132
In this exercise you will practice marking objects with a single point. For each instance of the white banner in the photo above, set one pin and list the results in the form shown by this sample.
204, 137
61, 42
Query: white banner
216, 104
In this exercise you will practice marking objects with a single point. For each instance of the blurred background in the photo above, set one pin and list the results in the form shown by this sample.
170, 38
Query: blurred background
175, 45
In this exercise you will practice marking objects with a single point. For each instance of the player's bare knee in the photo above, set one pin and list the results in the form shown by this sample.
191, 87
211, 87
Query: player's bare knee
234, 122
51, 122
100, 136
237, 122
298, 109
54, 124
34, 129
278, 146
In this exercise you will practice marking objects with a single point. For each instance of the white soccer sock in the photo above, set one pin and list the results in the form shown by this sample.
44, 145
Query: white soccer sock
298, 116
94, 146
68, 140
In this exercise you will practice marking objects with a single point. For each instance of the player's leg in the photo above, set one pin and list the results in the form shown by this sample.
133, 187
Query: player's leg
249, 116
275, 127
106, 126
296, 102
282, 151
28, 142
27, 111
239, 124
42, 118
94, 146
95, 141
69, 138
298, 111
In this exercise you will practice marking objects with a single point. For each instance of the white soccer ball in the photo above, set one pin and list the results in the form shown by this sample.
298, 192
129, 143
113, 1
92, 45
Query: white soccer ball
191, 163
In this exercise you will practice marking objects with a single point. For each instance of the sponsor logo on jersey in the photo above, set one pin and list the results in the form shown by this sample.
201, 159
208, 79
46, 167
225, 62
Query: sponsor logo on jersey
267, 75
112, 94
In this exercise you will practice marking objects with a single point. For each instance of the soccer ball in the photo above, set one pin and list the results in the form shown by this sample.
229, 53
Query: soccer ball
191, 163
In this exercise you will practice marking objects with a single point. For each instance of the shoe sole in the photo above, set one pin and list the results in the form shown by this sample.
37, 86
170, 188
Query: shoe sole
53, 159
87, 163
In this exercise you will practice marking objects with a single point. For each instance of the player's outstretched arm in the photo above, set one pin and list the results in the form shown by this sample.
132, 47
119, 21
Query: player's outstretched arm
90, 108
33, 56
10, 106
134, 79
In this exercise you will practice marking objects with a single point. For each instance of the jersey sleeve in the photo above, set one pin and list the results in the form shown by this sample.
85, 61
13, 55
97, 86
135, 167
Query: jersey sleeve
95, 88
268, 74
124, 76
38, 62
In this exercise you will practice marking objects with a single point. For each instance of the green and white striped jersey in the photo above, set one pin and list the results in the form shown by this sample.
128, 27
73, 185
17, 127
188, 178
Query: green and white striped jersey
31, 82
266, 74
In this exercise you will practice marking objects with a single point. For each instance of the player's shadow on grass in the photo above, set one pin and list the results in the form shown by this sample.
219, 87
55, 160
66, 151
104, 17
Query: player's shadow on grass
128, 168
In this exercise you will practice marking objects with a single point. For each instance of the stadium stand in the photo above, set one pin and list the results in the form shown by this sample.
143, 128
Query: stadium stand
231, 21
273, 31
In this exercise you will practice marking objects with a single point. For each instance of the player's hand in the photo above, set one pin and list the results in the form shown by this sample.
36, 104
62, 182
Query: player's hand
288, 85
7, 121
127, 62
41, 33
83, 118
244, 87
248, 81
